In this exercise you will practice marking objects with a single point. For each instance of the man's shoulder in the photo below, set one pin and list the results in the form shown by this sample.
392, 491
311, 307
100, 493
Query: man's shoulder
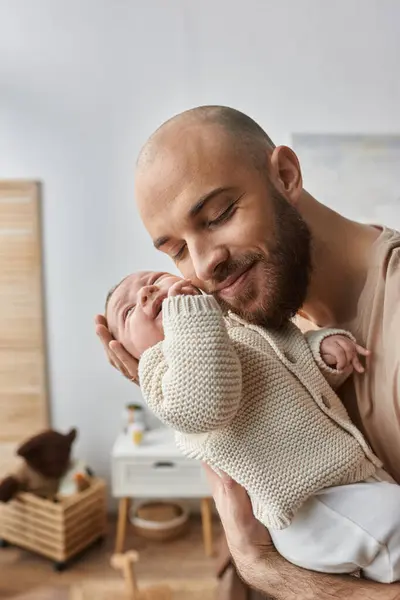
388, 256
393, 253
388, 244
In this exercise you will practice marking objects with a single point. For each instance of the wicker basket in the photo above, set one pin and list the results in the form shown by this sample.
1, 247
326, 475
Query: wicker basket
57, 530
159, 521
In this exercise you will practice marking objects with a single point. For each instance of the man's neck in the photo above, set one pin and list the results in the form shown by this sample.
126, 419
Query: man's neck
341, 258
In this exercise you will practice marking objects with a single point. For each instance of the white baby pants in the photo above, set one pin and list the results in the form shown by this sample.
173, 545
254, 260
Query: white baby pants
346, 528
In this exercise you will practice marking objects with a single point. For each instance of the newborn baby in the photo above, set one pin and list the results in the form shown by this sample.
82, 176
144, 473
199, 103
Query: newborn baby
258, 405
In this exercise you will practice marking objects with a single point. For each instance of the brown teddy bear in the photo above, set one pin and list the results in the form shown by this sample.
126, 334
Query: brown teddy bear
47, 457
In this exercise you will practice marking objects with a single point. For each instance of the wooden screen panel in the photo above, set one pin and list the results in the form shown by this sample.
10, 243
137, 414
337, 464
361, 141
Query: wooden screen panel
23, 393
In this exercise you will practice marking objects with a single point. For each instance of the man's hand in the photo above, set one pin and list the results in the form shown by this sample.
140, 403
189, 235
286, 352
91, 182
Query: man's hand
248, 540
341, 353
260, 565
117, 356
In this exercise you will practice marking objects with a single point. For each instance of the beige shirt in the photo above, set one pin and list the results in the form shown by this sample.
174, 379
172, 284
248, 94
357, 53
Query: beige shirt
373, 399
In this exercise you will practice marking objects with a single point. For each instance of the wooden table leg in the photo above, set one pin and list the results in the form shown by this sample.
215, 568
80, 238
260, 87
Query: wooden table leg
206, 519
123, 509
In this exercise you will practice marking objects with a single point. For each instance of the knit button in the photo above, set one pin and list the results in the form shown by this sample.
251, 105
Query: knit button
326, 402
289, 357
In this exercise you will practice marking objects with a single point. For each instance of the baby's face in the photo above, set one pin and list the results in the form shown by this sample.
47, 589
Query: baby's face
134, 312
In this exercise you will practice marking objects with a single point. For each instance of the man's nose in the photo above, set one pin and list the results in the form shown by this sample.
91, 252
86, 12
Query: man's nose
207, 261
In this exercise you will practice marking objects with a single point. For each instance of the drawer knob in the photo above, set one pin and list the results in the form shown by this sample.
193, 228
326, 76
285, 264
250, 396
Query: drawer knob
163, 465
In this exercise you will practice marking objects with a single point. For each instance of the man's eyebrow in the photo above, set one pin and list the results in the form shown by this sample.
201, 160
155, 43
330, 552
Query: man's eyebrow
194, 210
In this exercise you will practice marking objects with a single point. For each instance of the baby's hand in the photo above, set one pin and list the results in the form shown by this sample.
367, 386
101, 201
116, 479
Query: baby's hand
341, 353
183, 287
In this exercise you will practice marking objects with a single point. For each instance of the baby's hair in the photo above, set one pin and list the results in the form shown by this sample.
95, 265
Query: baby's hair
110, 293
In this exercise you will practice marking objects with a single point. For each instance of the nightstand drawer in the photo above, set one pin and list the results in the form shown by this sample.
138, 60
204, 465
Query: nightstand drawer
159, 477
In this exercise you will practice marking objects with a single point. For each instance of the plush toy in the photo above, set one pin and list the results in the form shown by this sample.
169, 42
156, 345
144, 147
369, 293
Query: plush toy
47, 458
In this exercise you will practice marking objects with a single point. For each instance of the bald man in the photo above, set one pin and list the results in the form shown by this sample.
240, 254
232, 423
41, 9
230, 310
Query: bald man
230, 210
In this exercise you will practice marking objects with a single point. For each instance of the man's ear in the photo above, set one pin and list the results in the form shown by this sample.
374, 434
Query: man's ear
286, 173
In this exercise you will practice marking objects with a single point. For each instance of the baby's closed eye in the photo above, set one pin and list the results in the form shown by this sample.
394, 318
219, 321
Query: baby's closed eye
129, 311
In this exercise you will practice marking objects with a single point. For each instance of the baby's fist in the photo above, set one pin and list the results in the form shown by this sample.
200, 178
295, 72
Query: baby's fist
341, 353
182, 287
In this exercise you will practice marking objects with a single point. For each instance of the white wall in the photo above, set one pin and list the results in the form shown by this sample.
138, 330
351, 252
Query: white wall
82, 84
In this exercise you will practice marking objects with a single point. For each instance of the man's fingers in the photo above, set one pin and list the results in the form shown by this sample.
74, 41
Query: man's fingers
104, 335
100, 320
231, 499
216, 480
116, 353
127, 363
106, 338
245, 535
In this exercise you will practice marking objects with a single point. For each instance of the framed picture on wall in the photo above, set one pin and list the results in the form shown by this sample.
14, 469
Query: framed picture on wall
357, 175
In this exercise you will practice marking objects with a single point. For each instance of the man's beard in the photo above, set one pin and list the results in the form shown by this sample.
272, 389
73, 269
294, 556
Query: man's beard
285, 271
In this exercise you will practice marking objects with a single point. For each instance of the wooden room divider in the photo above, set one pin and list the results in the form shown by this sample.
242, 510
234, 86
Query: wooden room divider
23, 381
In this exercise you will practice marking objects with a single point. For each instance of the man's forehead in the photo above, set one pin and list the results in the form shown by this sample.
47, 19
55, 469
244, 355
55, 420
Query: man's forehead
190, 157
167, 198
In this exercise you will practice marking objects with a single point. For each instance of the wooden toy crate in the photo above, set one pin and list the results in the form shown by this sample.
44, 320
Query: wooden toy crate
57, 530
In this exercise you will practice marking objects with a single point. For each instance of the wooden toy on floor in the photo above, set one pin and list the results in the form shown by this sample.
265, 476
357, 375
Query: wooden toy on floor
127, 587
115, 589
125, 563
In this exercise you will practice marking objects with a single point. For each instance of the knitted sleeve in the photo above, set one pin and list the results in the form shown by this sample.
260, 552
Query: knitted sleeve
192, 380
315, 338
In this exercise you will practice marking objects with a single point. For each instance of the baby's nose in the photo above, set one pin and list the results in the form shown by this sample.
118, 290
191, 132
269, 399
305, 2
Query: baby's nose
146, 294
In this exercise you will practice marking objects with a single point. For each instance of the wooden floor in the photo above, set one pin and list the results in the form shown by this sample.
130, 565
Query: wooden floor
24, 576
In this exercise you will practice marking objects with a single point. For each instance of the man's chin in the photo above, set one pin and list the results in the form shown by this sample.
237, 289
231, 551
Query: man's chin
247, 309
256, 313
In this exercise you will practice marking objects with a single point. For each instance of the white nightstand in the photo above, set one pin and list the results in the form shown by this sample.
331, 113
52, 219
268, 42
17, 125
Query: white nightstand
157, 469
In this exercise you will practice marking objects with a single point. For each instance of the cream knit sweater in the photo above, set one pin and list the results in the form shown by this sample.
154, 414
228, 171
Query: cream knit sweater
255, 404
